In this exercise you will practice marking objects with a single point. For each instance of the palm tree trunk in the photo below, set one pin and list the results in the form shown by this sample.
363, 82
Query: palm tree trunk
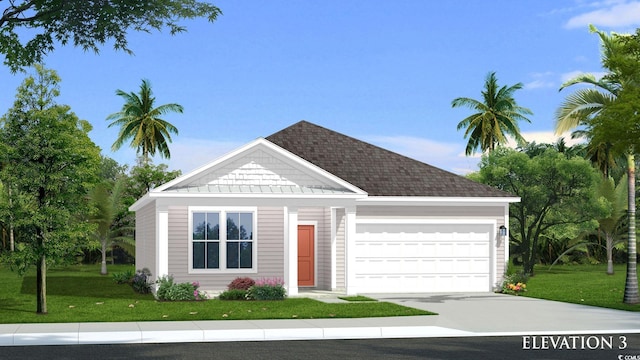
12, 243
103, 268
631, 283
609, 240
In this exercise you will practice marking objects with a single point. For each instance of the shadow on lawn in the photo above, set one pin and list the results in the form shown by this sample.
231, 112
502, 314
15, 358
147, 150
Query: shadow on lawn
15, 305
101, 287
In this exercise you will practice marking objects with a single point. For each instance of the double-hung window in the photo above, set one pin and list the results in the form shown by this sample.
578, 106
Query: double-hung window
206, 240
222, 239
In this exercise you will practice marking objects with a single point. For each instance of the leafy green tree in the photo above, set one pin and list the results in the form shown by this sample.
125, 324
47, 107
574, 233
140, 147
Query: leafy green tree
110, 170
497, 116
87, 24
146, 176
554, 191
50, 164
607, 111
140, 122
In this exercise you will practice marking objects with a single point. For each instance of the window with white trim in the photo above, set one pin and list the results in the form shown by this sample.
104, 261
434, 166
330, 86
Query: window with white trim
222, 239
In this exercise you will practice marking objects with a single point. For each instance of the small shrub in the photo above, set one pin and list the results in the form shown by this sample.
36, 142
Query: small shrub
515, 283
267, 289
125, 277
164, 283
140, 281
233, 294
241, 283
170, 291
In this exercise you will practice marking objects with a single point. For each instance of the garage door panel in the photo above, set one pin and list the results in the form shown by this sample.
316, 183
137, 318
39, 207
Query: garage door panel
423, 257
410, 267
422, 283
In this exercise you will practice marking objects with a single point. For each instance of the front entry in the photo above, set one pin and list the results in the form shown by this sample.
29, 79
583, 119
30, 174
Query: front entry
306, 255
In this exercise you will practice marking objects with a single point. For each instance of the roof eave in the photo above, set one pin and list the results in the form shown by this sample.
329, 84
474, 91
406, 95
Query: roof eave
437, 200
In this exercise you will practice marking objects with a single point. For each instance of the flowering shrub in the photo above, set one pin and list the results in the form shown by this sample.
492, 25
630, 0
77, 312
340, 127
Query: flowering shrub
514, 284
267, 289
514, 289
170, 291
241, 283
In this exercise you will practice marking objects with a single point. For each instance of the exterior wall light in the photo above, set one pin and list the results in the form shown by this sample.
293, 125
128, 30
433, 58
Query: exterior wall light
503, 231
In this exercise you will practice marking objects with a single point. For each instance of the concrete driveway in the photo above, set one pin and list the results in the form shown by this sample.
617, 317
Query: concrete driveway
499, 313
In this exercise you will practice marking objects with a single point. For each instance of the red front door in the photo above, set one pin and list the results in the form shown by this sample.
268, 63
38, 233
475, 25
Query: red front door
306, 255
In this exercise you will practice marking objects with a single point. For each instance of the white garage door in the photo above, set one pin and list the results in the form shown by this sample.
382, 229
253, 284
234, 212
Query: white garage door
392, 257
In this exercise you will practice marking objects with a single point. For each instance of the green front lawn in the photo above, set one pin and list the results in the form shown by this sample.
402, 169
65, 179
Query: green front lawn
581, 284
81, 294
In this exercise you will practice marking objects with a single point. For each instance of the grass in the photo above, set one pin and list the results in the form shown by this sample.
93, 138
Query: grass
581, 284
81, 294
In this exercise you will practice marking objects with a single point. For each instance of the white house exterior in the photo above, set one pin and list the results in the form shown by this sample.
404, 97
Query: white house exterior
322, 210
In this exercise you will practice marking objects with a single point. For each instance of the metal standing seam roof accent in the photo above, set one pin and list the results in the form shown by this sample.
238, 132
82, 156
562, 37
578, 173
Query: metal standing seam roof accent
257, 189
377, 171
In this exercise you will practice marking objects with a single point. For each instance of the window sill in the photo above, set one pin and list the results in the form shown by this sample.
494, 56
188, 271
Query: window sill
223, 271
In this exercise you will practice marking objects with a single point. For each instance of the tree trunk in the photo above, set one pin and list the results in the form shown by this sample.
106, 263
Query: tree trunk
103, 268
12, 246
631, 283
609, 240
41, 280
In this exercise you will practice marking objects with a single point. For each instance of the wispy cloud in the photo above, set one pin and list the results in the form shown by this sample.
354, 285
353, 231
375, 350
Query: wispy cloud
537, 84
610, 14
541, 80
545, 137
447, 156
572, 74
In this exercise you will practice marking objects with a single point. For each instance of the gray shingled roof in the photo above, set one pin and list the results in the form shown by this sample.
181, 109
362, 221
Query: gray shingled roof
377, 171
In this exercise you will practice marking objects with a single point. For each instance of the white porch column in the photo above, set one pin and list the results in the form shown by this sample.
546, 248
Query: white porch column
162, 231
506, 238
291, 251
350, 262
334, 248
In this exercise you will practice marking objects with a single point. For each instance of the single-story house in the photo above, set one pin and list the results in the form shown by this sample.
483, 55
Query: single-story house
325, 211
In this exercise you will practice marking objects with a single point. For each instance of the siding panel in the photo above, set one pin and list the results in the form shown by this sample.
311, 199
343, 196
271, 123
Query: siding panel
145, 237
340, 250
269, 242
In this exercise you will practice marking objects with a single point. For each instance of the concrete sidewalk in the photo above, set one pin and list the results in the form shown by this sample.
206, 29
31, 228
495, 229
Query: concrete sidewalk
479, 314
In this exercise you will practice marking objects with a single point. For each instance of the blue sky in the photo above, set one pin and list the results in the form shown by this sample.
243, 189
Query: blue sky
384, 72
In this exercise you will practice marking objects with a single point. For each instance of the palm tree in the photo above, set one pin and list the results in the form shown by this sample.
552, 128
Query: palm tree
497, 116
106, 204
616, 196
610, 227
140, 122
579, 109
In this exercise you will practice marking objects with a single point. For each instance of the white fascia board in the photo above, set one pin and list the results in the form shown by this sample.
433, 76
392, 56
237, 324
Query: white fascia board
167, 195
436, 200
140, 203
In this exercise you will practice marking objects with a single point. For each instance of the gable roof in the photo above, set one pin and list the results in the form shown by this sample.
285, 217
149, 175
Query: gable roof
377, 171
259, 167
